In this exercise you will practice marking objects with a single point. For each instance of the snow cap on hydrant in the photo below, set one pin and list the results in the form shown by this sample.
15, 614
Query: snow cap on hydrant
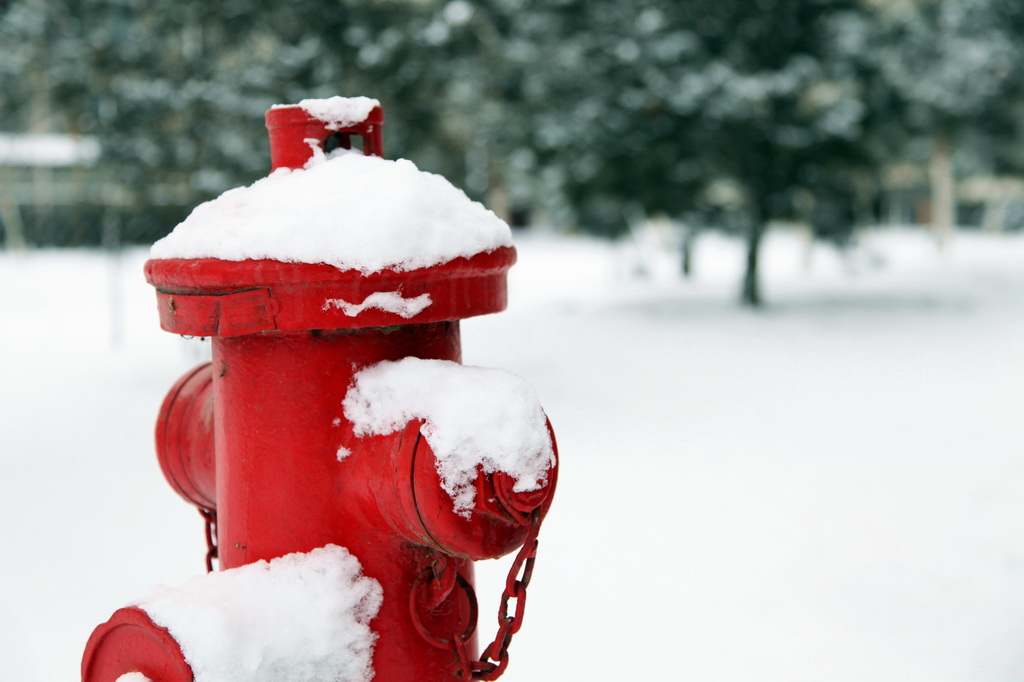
336, 436
374, 241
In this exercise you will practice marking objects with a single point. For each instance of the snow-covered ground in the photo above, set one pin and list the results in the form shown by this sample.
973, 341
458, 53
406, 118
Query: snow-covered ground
828, 489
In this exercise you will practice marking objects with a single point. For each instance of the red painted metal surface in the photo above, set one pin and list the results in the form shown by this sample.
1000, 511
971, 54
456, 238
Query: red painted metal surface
184, 438
291, 126
255, 435
131, 642
212, 297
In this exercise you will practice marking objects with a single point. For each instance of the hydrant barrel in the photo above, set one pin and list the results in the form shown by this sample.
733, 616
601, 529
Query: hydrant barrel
266, 445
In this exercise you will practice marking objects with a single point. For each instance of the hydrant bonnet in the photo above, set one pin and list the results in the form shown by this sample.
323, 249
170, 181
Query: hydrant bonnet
329, 242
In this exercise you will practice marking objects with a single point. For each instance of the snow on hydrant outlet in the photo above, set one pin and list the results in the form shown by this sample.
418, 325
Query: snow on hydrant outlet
349, 468
473, 419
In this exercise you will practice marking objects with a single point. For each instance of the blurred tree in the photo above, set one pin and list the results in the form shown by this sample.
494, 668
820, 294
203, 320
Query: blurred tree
953, 68
38, 66
176, 90
708, 104
742, 111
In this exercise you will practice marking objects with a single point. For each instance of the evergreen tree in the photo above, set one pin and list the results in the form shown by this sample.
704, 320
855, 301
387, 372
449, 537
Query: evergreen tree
663, 102
738, 110
954, 70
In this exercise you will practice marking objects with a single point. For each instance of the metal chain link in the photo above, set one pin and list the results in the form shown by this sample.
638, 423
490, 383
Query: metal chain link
494, 658
433, 586
210, 516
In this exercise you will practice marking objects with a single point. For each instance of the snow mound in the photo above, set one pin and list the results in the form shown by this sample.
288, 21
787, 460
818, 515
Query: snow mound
300, 618
345, 209
472, 417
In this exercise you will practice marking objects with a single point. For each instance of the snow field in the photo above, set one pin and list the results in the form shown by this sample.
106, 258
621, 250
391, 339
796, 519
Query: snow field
829, 489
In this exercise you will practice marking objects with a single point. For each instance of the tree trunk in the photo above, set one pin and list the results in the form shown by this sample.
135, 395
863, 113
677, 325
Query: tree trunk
687, 264
751, 293
995, 215
940, 172
10, 217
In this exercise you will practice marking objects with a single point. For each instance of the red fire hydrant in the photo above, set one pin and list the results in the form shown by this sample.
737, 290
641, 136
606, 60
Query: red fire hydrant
273, 443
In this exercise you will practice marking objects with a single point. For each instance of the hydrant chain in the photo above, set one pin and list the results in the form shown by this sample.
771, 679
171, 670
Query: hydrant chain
210, 516
515, 588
